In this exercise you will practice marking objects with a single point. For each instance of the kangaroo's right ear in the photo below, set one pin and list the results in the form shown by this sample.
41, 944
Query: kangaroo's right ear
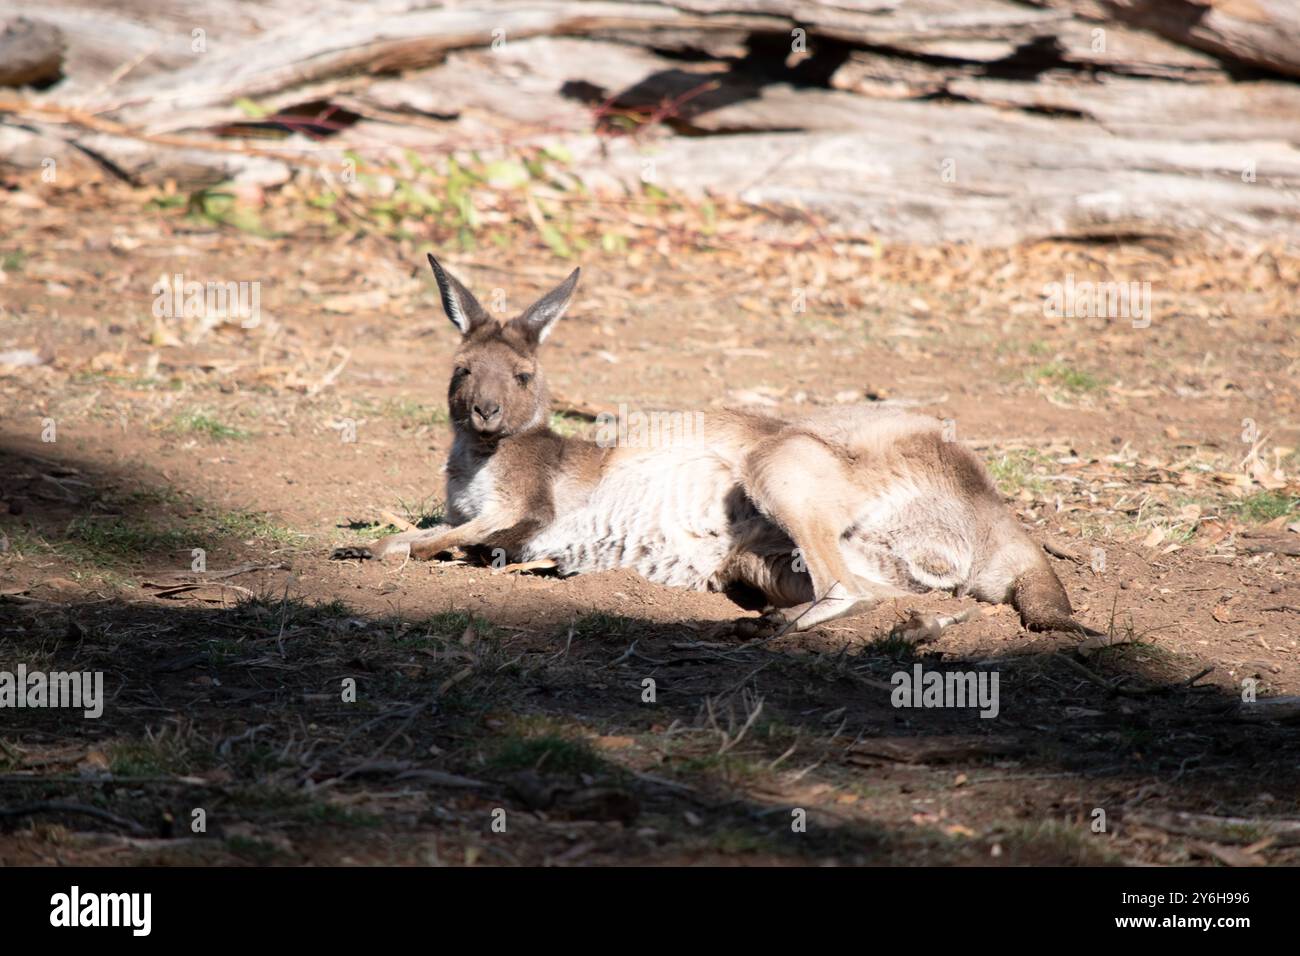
458, 302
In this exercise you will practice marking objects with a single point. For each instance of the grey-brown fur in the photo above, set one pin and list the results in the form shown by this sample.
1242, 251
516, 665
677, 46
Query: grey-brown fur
823, 515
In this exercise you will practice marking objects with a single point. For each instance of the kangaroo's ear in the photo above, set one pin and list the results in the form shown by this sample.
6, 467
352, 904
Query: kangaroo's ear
458, 302
538, 318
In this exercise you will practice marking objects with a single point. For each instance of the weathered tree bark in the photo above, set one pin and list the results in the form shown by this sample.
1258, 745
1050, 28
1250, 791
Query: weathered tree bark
989, 120
1262, 33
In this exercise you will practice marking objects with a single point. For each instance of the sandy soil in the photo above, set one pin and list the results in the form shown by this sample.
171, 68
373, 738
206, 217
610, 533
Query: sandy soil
1161, 456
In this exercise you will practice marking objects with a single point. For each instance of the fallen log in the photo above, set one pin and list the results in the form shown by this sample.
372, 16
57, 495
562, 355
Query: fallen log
1269, 709
931, 120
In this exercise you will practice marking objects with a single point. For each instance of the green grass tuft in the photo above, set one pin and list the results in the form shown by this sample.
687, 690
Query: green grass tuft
1265, 506
1015, 470
1065, 377
202, 424
547, 753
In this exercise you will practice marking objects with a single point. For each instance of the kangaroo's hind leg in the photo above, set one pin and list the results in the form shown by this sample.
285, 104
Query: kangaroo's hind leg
803, 485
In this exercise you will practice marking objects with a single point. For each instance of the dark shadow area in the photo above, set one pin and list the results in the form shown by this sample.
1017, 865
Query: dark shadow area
310, 730
317, 119
679, 98
675, 98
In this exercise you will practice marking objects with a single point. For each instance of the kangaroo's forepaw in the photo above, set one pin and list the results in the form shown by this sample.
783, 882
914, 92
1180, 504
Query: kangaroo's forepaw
917, 628
759, 628
921, 628
359, 553
739, 629
769, 625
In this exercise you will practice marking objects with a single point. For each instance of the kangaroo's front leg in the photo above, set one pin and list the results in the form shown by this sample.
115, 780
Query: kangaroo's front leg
423, 543
391, 546
472, 532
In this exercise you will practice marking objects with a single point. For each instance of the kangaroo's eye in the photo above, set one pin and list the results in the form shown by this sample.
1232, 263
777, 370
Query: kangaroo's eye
461, 371
523, 378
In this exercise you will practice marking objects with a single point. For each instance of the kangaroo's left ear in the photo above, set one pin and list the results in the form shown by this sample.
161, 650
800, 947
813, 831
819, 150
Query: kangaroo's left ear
458, 302
538, 318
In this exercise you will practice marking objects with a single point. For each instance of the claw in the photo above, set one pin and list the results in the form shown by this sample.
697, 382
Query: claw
347, 554
752, 628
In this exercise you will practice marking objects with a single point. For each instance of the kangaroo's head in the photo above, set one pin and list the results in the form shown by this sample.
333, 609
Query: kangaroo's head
497, 388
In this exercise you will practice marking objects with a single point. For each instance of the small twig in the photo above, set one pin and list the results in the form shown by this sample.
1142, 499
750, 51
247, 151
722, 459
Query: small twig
223, 748
328, 378
1108, 686
567, 644
749, 722
243, 569
773, 765
626, 655
1065, 554
57, 806
284, 614
523, 566
198, 586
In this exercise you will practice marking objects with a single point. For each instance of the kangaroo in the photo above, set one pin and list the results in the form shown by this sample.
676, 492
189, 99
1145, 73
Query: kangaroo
824, 515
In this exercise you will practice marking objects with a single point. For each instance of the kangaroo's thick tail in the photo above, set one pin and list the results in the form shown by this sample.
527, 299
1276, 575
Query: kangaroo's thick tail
1043, 604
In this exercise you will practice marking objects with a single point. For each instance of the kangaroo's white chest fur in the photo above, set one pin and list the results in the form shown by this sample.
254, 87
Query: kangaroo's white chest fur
662, 514
473, 491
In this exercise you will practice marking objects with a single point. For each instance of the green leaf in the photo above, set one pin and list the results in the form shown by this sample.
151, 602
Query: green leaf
552, 237
249, 108
559, 153
505, 174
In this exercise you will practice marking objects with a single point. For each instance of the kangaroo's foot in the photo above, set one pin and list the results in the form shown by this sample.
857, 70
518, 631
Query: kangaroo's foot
839, 602
1043, 605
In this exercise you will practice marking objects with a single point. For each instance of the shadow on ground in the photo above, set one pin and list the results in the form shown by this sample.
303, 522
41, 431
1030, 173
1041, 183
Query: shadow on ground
301, 730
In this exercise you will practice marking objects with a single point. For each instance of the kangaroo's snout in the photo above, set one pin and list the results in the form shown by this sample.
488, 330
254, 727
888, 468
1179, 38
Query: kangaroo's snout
486, 414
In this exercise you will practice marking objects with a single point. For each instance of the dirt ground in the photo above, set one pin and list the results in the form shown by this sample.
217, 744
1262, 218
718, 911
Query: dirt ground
1158, 460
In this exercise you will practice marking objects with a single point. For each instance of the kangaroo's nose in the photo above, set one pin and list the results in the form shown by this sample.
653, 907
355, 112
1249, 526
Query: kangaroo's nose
487, 410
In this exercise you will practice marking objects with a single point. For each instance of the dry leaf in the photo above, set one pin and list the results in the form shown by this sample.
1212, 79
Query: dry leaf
1211, 533
1223, 614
